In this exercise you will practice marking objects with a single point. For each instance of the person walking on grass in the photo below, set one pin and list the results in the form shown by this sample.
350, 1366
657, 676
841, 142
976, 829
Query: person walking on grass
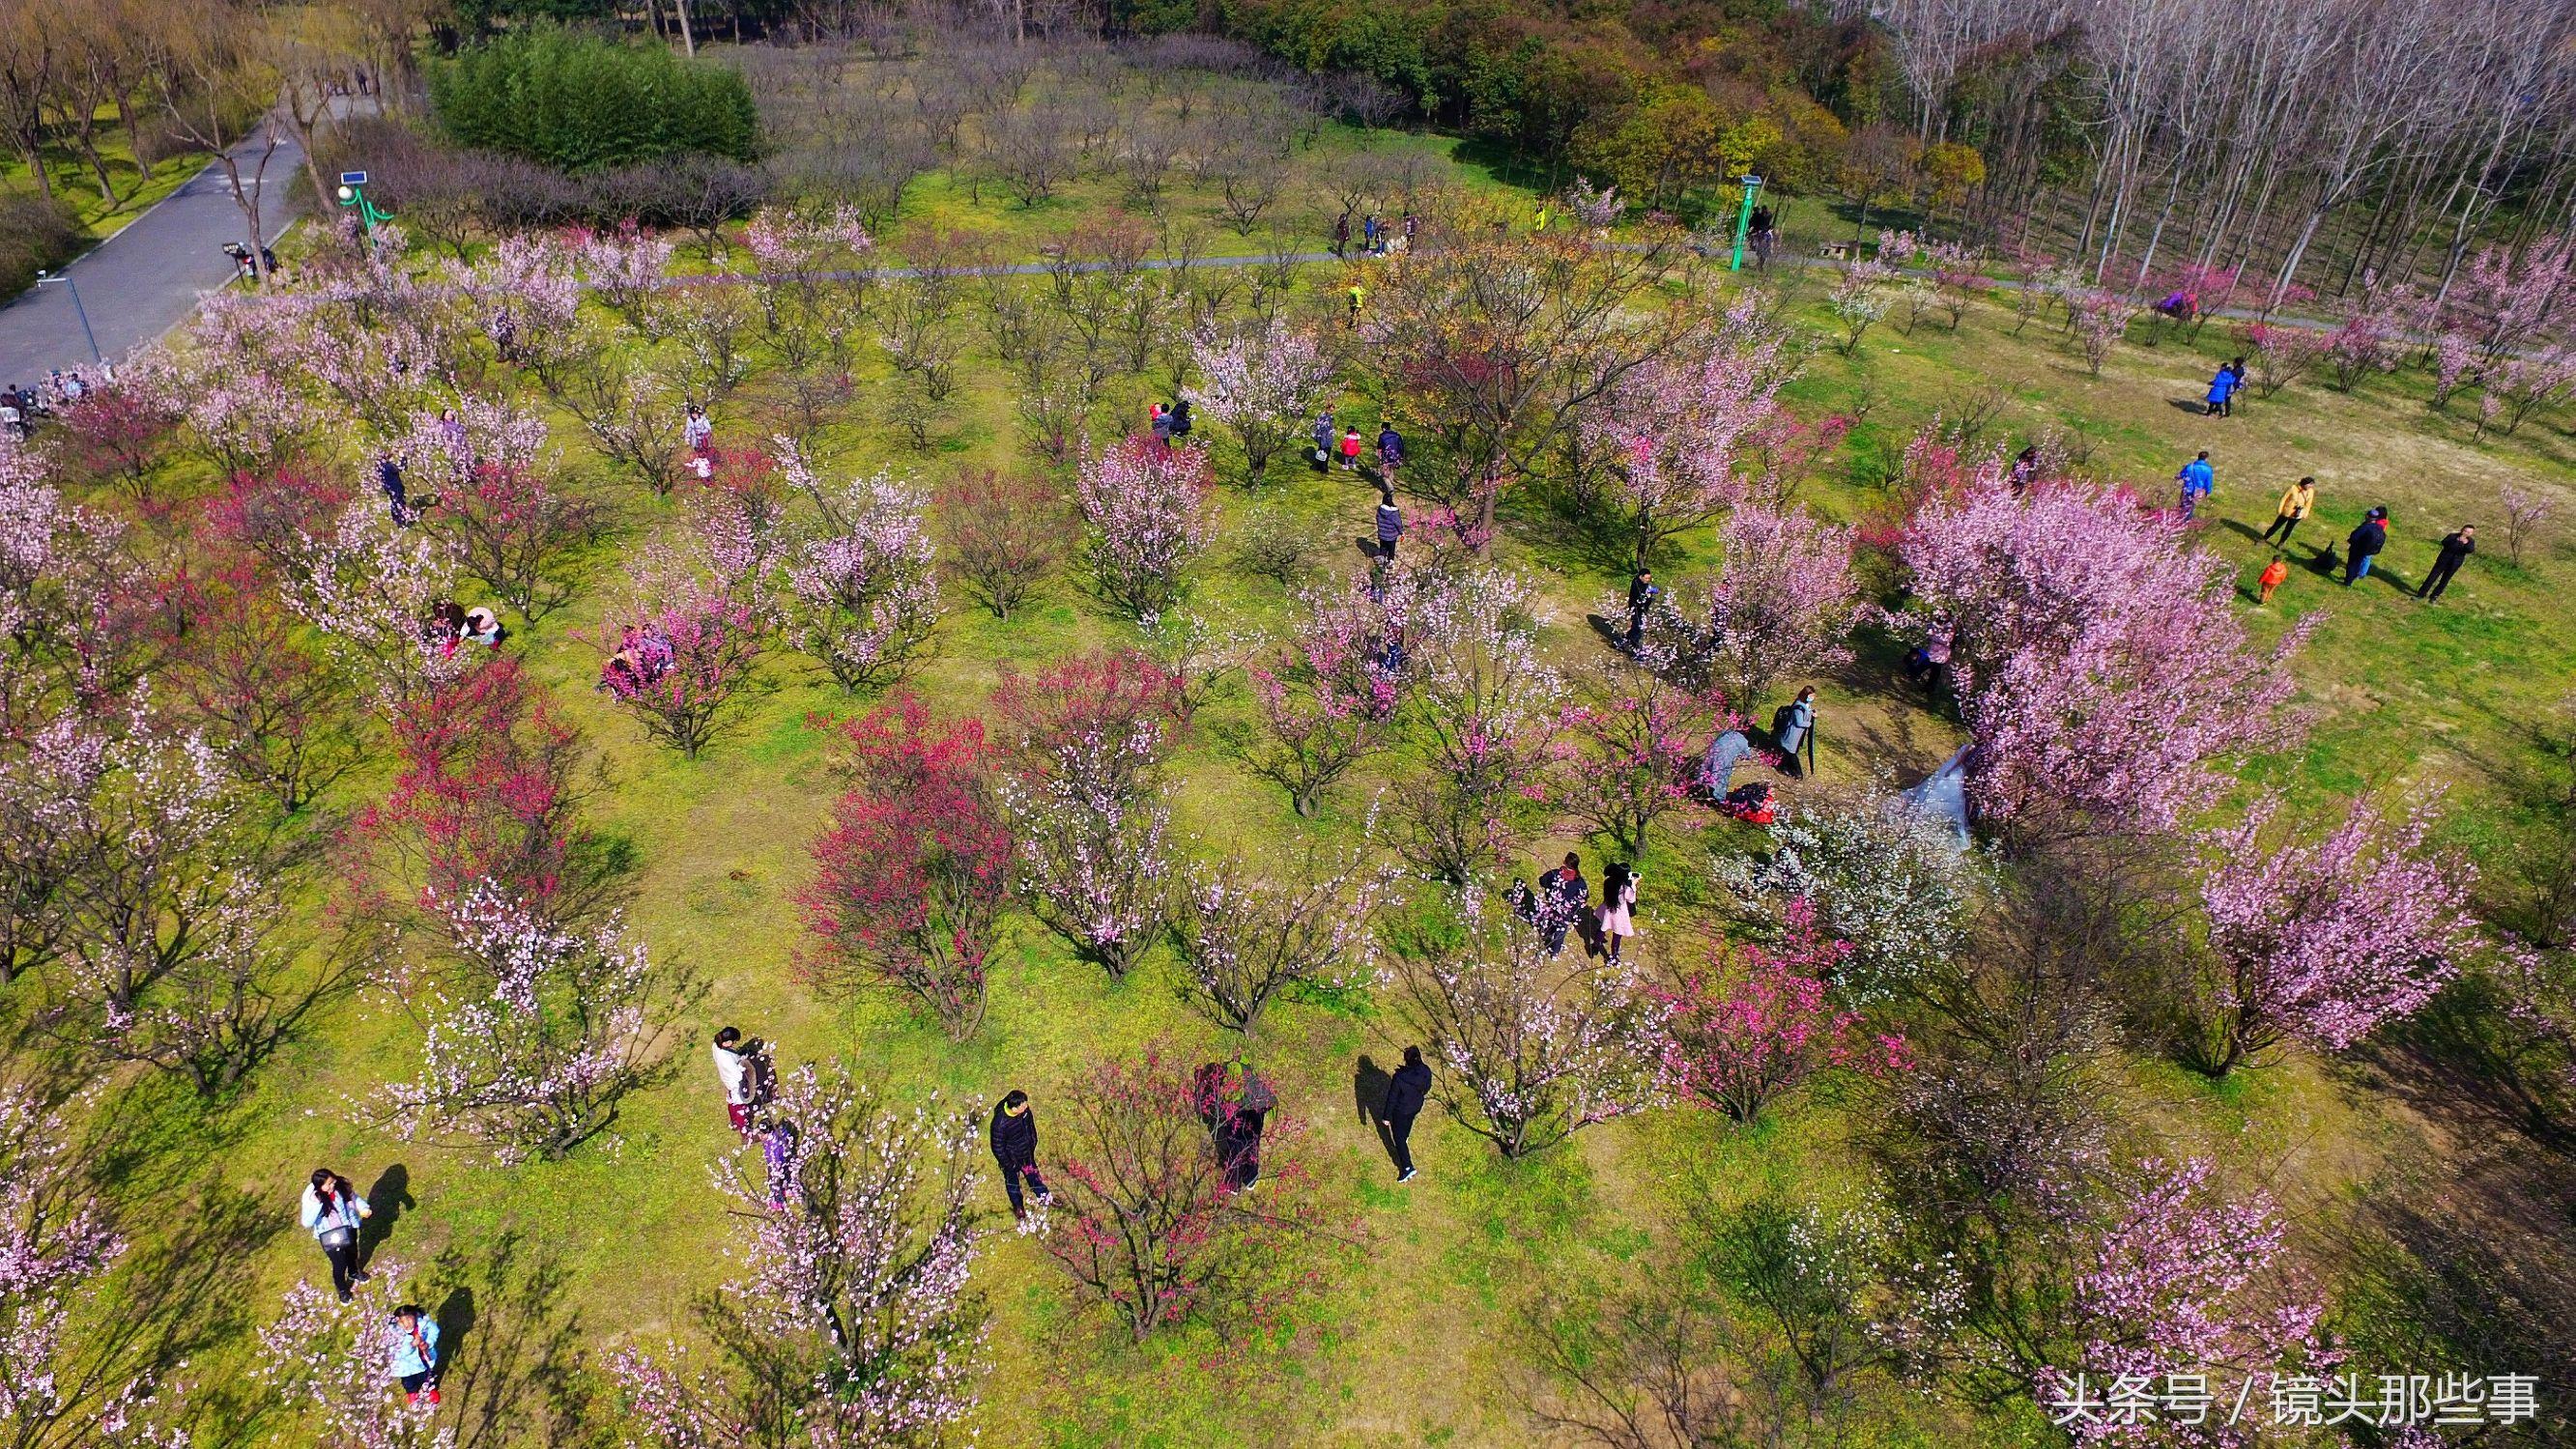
2274, 573
1359, 301
733, 1074
2363, 545
2456, 548
332, 1211
2297, 501
411, 1354
1014, 1139
1642, 594
1390, 448
2198, 481
1563, 899
1350, 450
2222, 389
1323, 433
1405, 1095
1342, 235
1794, 728
1390, 524
1618, 908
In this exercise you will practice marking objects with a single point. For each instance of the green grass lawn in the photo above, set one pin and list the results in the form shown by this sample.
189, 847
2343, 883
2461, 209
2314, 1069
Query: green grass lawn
137, 188
1410, 1337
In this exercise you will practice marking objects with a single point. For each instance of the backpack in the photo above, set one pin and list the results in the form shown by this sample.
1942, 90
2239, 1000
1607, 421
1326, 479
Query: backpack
759, 1074
1257, 1096
1780, 721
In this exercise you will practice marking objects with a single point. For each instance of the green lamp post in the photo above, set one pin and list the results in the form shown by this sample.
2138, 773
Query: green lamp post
353, 192
1744, 221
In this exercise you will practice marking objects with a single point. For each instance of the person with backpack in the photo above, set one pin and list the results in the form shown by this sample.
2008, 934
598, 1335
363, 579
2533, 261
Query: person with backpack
2363, 544
1180, 419
2198, 481
2297, 502
1240, 1119
2456, 548
735, 1059
1323, 433
1564, 898
1405, 1094
1642, 594
1794, 728
1390, 448
389, 479
1013, 1136
332, 1211
411, 1354
1760, 234
1618, 920
1390, 524
699, 431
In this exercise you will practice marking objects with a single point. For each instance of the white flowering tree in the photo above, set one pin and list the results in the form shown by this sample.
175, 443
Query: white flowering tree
1261, 380
860, 594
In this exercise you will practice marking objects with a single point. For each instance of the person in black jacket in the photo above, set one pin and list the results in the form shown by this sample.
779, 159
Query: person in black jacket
1015, 1148
1404, 1098
2364, 545
1641, 602
2456, 549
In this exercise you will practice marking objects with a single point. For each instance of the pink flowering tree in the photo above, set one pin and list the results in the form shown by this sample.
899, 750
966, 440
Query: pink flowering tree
1144, 1222
2525, 514
441, 448
1958, 275
539, 1037
624, 267
1637, 743
1147, 504
2101, 665
1758, 1025
1782, 607
517, 530
2455, 363
2278, 355
2100, 318
2506, 300
1326, 698
1089, 736
1860, 296
1681, 431
854, 1321
326, 1359
1262, 380
680, 654
2365, 343
911, 877
1531, 1047
2320, 941
2180, 1281
1487, 716
1246, 932
526, 294
372, 588
117, 432
2522, 386
861, 598
57, 1243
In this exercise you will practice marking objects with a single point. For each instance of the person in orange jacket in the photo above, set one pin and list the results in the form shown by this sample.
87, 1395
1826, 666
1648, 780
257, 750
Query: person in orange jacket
2273, 573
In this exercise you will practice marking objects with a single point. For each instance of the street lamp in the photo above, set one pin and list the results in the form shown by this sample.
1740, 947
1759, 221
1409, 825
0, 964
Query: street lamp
47, 279
353, 192
1744, 221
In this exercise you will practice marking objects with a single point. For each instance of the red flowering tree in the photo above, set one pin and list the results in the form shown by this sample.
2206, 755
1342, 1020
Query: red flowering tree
271, 514
1144, 1222
1004, 533
118, 432
1088, 737
855, 1321
2101, 664
1758, 1025
911, 876
2321, 941
1326, 699
244, 667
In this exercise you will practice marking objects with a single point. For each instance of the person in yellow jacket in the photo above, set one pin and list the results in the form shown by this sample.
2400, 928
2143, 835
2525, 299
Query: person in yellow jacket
2296, 504
1359, 299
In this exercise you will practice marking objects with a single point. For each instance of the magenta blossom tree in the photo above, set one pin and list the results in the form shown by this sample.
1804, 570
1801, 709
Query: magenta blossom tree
2181, 1281
531, 1053
1759, 1025
2320, 941
854, 1321
861, 597
1638, 742
1147, 504
679, 655
1532, 1047
1680, 431
1326, 699
1781, 608
1262, 380
2101, 667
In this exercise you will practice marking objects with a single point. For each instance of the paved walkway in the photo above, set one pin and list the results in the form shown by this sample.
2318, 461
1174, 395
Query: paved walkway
147, 278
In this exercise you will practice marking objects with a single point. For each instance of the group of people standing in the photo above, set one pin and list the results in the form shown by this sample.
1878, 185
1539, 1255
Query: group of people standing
334, 1213
2362, 546
1562, 905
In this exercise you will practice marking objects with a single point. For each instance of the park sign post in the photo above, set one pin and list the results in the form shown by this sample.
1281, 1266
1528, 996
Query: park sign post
1744, 221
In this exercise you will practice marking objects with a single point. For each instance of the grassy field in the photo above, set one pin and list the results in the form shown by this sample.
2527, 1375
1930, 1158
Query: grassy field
1410, 1338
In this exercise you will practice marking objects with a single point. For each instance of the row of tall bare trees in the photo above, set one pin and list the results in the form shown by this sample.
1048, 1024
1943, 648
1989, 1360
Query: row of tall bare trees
2377, 136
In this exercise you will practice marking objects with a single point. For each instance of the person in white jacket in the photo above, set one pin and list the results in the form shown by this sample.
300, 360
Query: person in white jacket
332, 1212
733, 1074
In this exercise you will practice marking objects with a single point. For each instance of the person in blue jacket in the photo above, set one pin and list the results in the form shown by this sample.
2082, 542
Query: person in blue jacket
2222, 389
2198, 480
411, 1353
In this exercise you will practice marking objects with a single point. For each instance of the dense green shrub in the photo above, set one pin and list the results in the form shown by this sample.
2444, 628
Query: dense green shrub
579, 104
34, 232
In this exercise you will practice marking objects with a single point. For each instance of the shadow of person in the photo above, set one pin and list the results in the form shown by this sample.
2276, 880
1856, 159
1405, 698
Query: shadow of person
388, 1198
2196, 406
2247, 529
1369, 1086
455, 1315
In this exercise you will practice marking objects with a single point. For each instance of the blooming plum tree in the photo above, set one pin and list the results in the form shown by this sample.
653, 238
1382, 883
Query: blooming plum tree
861, 598
1681, 429
1638, 739
1004, 532
679, 654
1489, 717
1782, 607
1760, 1026
327, 1359
1246, 932
1147, 506
1326, 699
1261, 380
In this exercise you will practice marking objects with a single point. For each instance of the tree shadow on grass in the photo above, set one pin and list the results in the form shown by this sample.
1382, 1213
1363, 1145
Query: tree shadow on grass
516, 1372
